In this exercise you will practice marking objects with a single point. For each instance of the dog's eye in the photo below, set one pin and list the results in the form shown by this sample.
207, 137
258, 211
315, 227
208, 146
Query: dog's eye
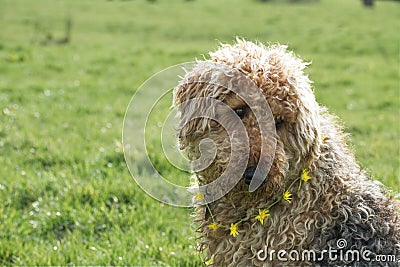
278, 122
241, 112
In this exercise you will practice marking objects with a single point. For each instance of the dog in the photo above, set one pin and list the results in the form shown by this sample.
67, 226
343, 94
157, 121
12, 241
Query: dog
312, 203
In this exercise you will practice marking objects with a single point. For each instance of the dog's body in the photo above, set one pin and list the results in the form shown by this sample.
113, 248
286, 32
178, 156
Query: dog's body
339, 203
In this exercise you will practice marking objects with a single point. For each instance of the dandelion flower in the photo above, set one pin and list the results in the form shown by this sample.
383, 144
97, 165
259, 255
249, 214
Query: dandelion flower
287, 196
210, 261
214, 226
234, 230
199, 196
305, 175
262, 214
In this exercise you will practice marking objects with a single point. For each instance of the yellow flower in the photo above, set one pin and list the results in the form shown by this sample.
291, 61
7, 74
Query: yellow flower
305, 175
262, 214
213, 226
287, 196
210, 261
233, 228
199, 196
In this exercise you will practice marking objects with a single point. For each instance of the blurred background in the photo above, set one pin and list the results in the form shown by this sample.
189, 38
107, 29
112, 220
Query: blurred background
68, 69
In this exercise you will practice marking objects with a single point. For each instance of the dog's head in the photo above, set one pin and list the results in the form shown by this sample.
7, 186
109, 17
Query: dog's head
235, 88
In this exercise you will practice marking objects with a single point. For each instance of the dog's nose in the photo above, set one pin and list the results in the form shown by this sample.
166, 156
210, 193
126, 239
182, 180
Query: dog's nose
248, 174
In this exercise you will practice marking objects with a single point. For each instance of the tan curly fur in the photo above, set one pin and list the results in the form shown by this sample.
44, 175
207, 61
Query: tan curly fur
339, 201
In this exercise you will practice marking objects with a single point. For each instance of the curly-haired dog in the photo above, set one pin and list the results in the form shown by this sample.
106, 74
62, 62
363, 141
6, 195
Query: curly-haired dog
317, 206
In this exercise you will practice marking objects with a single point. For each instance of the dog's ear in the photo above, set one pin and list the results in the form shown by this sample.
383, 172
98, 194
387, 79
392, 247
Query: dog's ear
309, 131
197, 98
301, 113
289, 93
186, 128
194, 112
302, 136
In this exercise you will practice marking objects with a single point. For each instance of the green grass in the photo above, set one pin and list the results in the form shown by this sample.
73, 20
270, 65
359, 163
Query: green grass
66, 197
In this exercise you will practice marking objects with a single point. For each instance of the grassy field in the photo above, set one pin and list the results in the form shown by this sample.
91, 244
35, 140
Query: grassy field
66, 196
